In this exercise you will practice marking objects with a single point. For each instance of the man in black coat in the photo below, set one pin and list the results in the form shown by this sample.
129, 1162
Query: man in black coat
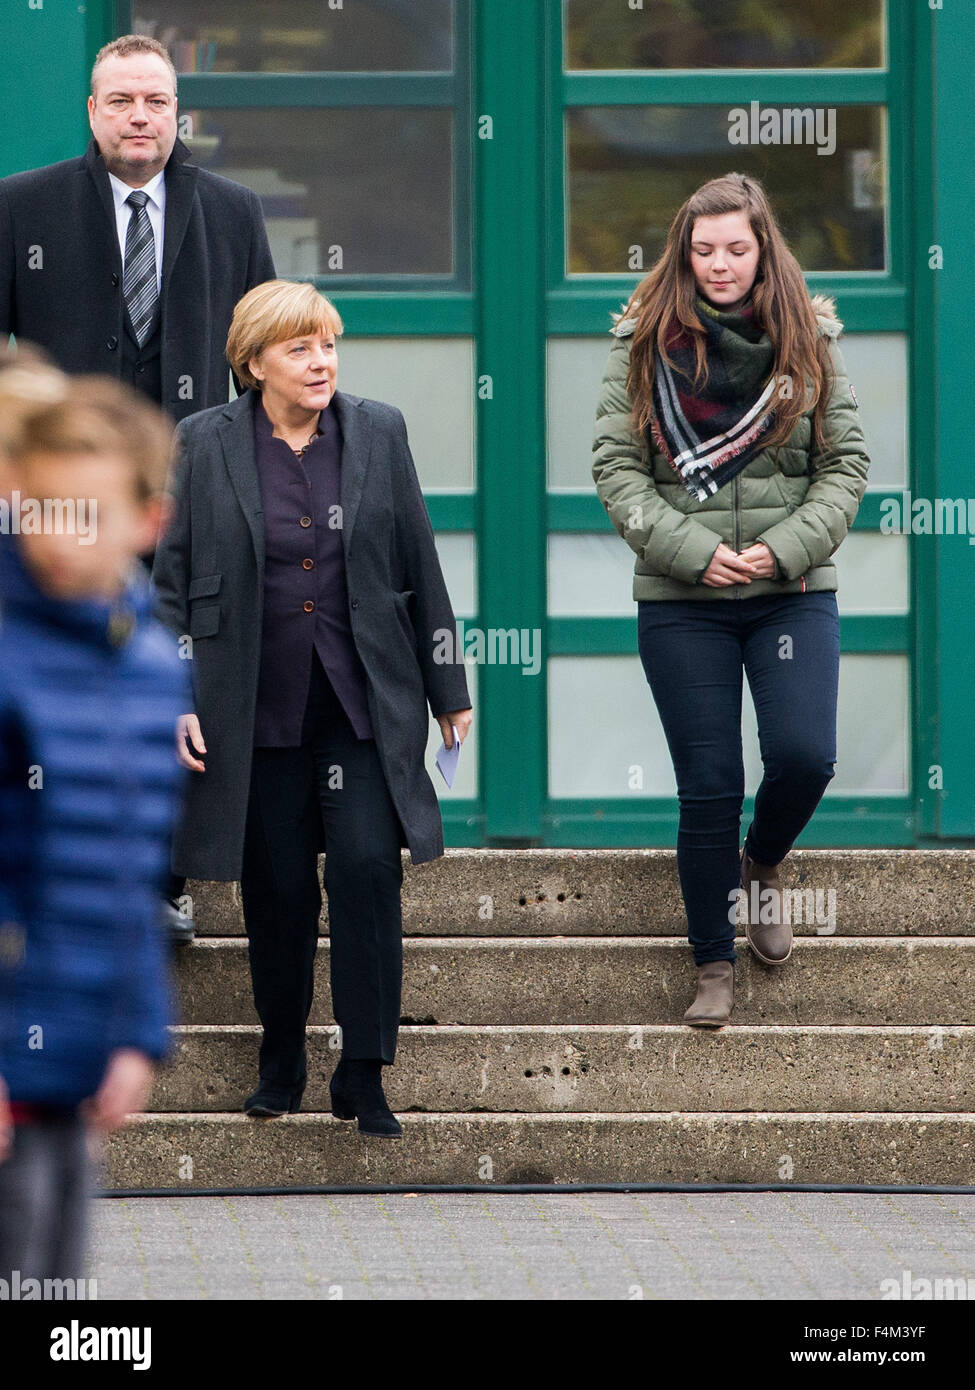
141, 290
129, 260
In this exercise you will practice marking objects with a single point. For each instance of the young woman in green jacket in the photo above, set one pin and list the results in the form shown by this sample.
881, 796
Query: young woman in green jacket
729, 456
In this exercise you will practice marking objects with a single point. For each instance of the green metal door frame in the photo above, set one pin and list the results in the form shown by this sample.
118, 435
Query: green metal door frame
513, 294
509, 244
948, 378
870, 301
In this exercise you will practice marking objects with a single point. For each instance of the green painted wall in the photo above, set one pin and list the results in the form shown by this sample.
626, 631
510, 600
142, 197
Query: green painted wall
46, 47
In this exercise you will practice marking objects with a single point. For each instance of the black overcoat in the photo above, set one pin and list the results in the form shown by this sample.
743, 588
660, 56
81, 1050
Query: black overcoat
61, 271
209, 570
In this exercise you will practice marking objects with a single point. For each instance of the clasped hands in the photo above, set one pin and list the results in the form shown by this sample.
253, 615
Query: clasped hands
727, 567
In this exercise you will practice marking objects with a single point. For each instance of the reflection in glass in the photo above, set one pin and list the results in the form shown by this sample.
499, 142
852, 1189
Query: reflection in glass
301, 35
724, 34
631, 167
361, 191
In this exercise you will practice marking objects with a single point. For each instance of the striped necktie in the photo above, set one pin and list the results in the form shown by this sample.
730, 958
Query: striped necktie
139, 273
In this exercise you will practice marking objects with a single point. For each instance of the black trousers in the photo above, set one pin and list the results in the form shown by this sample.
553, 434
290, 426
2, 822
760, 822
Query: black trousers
336, 780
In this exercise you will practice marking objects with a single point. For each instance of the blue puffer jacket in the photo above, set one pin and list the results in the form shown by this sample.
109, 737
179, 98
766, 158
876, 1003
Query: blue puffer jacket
89, 787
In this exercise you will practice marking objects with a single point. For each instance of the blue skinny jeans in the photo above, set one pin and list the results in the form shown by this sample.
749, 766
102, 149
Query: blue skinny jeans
693, 654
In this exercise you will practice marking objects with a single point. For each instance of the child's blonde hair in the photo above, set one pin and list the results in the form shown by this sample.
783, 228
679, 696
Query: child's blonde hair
44, 411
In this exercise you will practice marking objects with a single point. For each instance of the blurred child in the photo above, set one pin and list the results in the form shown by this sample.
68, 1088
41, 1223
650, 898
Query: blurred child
91, 686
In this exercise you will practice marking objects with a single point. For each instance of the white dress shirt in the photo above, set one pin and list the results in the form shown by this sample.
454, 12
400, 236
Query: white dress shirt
155, 191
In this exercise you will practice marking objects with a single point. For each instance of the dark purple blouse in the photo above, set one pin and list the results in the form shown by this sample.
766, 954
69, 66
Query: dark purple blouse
306, 606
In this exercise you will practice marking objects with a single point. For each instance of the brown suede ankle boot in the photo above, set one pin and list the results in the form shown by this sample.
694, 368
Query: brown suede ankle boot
771, 941
715, 997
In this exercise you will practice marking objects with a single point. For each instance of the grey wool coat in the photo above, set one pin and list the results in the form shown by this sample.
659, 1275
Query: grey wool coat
208, 573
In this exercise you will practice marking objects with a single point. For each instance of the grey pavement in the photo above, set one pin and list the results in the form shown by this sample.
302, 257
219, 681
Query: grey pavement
532, 1247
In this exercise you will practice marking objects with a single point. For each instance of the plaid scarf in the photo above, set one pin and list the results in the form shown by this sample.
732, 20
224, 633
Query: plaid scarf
709, 438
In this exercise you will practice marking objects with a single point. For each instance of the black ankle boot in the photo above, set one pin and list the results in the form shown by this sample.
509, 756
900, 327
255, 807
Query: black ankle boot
357, 1093
342, 1109
269, 1102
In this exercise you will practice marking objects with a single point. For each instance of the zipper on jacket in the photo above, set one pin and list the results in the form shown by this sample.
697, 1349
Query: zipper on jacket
737, 529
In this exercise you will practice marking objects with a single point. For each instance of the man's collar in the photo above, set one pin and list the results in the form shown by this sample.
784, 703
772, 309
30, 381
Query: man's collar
121, 191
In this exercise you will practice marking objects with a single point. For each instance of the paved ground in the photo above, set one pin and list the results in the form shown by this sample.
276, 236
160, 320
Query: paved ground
582, 1246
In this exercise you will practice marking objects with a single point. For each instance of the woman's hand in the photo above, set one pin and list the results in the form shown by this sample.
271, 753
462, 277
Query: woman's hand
761, 559
462, 718
727, 567
188, 727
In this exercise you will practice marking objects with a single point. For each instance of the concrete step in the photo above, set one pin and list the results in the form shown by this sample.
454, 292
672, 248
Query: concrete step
543, 995
636, 893
608, 1069
193, 1151
639, 980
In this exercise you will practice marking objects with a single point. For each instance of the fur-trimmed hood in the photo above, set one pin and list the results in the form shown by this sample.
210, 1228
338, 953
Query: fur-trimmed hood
825, 309
823, 306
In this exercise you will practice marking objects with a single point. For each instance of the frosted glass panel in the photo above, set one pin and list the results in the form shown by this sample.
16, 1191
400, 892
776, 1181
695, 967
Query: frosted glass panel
871, 571
593, 755
432, 382
465, 782
873, 726
604, 730
457, 551
876, 364
590, 575
575, 369
877, 367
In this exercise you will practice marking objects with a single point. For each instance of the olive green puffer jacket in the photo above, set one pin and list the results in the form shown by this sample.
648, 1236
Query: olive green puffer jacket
799, 500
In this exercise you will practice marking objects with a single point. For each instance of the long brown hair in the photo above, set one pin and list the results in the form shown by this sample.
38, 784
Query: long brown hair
779, 295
